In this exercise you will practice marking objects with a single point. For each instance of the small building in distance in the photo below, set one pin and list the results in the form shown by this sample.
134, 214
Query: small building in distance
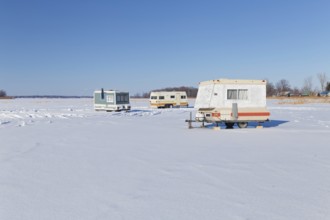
111, 100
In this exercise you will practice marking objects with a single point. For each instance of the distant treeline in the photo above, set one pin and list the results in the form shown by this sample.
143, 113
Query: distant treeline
53, 96
3, 93
283, 88
280, 88
191, 91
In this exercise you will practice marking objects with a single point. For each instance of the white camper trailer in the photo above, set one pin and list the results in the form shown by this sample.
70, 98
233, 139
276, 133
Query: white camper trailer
168, 99
232, 101
111, 100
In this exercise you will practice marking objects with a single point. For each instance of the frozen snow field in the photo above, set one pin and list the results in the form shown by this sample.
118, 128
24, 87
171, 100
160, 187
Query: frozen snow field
59, 159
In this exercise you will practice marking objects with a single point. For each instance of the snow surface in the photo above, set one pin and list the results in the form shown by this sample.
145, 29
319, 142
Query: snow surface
59, 159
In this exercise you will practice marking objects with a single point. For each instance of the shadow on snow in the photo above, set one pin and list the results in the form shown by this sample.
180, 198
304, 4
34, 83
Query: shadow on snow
267, 124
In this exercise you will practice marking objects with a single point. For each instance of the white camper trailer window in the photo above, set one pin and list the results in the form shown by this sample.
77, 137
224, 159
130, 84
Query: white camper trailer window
243, 94
172, 97
161, 97
183, 97
153, 97
110, 98
232, 94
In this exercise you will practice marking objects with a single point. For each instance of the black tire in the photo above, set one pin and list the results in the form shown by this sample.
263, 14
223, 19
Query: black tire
242, 124
229, 124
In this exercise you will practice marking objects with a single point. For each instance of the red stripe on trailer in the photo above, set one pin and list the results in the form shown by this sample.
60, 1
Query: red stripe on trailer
245, 114
216, 115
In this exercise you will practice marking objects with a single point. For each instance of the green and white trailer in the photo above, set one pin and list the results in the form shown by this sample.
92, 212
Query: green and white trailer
111, 100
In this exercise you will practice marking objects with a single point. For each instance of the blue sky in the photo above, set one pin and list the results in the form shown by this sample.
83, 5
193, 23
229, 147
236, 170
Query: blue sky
68, 47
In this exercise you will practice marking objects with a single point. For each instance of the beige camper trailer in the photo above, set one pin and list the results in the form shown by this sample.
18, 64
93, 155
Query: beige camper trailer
232, 101
168, 99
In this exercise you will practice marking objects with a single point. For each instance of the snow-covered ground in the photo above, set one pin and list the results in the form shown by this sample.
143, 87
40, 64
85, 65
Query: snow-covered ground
59, 159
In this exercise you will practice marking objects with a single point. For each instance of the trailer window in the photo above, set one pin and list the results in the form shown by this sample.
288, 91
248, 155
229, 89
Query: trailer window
126, 98
243, 94
122, 98
110, 98
183, 97
153, 97
231, 94
234, 94
161, 97
172, 97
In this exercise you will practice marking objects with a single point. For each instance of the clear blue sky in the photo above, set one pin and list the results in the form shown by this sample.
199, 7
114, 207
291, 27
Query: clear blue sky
71, 47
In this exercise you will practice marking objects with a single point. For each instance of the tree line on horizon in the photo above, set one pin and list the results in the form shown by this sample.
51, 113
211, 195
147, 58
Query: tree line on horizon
191, 91
280, 88
283, 87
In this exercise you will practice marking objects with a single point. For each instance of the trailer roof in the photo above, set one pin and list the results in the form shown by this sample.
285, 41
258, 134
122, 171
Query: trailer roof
234, 81
168, 91
109, 91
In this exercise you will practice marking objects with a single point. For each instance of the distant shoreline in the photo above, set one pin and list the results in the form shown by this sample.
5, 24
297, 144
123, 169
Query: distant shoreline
50, 97
7, 97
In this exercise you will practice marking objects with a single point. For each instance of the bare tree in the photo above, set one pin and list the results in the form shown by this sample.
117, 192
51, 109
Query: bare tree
146, 95
270, 89
191, 91
323, 80
136, 95
296, 91
3, 93
328, 86
283, 86
308, 84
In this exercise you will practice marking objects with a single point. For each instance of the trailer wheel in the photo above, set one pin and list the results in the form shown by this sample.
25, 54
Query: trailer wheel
242, 124
229, 124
